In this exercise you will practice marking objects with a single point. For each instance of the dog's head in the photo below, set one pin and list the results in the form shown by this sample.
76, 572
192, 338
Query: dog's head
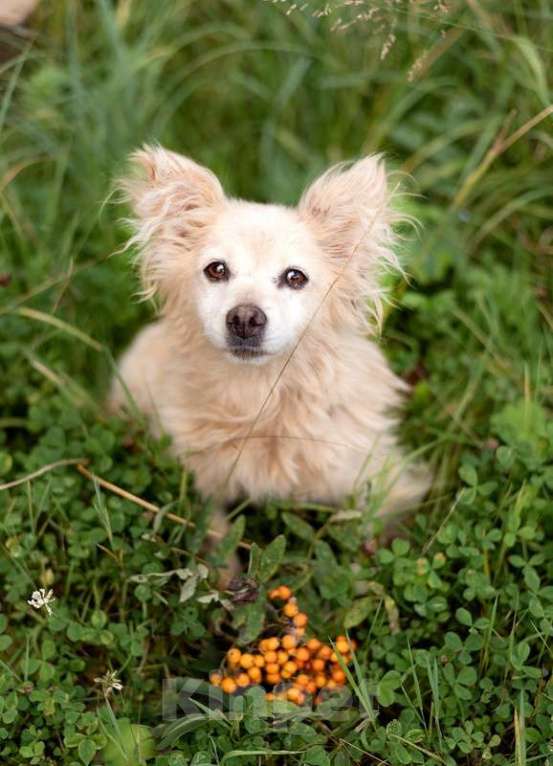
254, 278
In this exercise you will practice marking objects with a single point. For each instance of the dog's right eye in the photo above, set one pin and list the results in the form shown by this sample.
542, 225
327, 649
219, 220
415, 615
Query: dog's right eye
216, 271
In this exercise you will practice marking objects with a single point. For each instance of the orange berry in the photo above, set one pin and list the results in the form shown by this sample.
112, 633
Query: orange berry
290, 609
228, 685
300, 620
274, 594
215, 679
299, 632
269, 696
273, 679
313, 645
243, 679
331, 684
320, 680
233, 656
295, 695
339, 676
342, 645
272, 668
259, 661
290, 667
318, 665
302, 680
288, 641
324, 652
302, 654
255, 674
285, 593
334, 657
282, 657
311, 687
272, 644
247, 661
271, 657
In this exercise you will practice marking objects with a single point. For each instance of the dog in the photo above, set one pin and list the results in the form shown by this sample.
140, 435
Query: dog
263, 366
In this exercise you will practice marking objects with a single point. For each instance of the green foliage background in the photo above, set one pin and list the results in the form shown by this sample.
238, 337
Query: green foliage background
455, 622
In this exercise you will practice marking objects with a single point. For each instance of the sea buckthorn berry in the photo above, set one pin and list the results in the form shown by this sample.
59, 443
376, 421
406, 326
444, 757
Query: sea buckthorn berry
272, 644
334, 657
282, 657
318, 665
228, 685
339, 676
285, 593
269, 696
273, 679
290, 609
331, 684
289, 641
215, 679
302, 680
255, 674
271, 657
302, 654
295, 695
247, 661
274, 594
300, 620
243, 679
313, 645
324, 652
233, 656
272, 668
320, 680
290, 667
299, 632
259, 661
312, 687
342, 645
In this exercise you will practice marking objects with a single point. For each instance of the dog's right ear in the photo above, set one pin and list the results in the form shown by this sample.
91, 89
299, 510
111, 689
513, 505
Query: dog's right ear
173, 200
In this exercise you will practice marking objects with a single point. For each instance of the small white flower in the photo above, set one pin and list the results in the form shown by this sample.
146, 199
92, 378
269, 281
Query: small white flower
42, 598
109, 682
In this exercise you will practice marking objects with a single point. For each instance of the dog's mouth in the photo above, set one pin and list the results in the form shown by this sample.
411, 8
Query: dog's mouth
245, 349
247, 352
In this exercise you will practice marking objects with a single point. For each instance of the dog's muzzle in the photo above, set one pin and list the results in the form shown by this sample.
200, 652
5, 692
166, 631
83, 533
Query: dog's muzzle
245, 329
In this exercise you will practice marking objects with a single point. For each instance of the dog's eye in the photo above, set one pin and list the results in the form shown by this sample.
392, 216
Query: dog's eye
216, 271
294, 278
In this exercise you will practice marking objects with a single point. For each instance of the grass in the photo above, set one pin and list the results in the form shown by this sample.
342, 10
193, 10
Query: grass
454, 622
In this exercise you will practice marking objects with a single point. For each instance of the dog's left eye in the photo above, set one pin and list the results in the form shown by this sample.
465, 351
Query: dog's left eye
294, 278
216, 271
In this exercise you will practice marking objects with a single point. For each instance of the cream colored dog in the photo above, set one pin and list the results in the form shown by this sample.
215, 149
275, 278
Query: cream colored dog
260, 367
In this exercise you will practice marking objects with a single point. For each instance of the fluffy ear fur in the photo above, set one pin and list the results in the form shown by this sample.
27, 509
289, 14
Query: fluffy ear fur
349, 210
173, 200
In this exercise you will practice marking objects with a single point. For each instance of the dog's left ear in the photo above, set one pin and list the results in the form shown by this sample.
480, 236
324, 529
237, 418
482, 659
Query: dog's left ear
173, 200
349, 211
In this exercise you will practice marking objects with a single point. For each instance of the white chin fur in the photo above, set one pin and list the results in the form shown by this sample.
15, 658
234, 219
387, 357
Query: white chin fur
258, 360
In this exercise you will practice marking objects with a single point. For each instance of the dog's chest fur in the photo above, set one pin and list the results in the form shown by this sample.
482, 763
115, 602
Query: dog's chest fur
306, 431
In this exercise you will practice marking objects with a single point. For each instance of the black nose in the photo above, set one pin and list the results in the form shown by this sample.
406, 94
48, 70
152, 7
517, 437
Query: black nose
246, 321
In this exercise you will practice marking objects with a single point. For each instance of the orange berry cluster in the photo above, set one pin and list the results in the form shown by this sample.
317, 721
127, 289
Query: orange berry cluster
291, 667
